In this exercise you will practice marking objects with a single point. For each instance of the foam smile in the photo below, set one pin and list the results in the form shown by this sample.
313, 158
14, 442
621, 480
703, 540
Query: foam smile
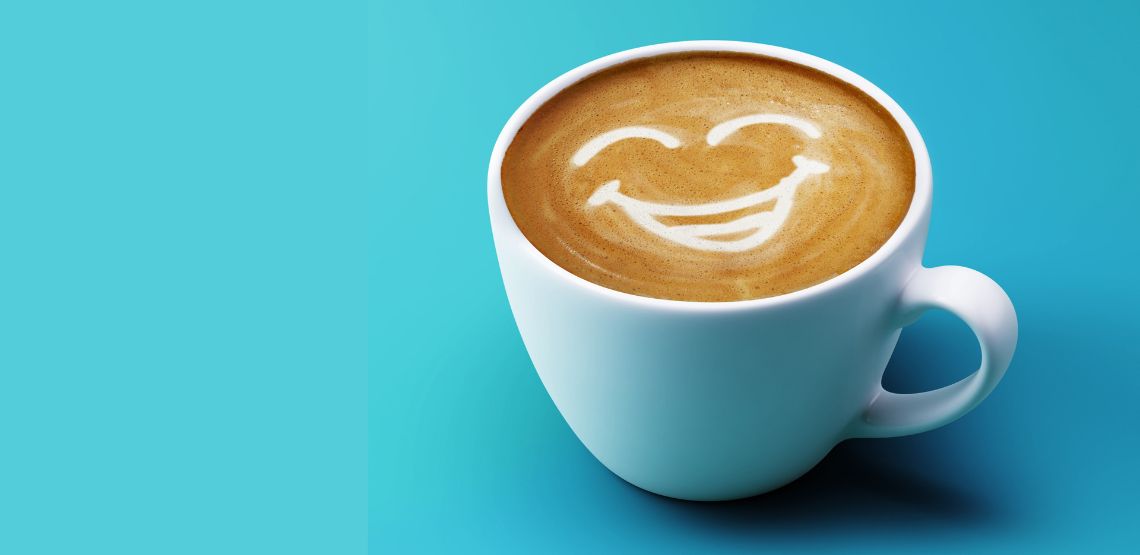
701, 236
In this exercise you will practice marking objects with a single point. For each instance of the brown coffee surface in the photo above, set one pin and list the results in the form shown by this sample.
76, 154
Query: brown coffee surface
639, 215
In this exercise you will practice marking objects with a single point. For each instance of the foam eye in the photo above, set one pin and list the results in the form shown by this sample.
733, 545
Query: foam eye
721, 131
599, 143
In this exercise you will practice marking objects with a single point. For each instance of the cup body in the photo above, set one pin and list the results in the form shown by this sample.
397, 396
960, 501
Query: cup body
709, 401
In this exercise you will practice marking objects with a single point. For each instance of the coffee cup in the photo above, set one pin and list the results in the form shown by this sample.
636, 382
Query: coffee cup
724, 400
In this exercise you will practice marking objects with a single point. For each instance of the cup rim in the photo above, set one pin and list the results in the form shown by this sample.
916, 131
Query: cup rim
911, 221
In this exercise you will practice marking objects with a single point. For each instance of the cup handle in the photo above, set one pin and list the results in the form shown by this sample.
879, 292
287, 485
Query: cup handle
979, 302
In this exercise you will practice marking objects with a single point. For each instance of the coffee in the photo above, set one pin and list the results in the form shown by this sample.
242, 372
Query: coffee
709, 177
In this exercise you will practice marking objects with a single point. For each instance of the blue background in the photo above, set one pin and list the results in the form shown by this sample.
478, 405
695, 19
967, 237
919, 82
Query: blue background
1030, 112
183, 275
215, 337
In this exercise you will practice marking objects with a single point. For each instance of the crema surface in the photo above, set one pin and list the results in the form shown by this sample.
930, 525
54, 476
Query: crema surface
709, 177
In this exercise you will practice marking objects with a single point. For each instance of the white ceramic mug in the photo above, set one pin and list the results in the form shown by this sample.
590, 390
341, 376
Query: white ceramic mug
712, 401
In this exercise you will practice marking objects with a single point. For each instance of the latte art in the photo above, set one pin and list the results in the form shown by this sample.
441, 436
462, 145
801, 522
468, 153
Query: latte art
700, 236
708, 177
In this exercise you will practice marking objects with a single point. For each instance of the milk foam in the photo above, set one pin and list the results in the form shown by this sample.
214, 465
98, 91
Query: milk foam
763, 225
597, 144
708, 177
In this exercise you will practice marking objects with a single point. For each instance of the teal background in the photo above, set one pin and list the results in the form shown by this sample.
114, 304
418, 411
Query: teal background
214, 337
1030, 114
183, 278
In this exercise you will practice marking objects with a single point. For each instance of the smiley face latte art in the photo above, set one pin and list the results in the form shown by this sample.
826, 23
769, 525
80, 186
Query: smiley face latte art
709, 177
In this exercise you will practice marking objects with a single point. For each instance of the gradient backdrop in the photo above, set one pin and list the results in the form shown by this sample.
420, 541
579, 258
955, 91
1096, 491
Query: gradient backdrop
1030, 112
